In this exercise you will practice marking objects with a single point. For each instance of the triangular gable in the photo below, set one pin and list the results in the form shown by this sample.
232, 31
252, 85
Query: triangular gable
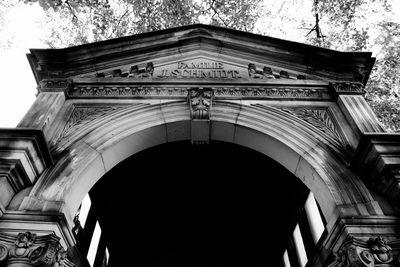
201, 44
199, 66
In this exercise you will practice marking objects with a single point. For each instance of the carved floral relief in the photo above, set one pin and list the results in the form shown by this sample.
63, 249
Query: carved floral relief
27, 250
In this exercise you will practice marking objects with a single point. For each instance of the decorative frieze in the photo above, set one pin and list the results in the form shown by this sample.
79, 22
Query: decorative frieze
27, 249
247, 92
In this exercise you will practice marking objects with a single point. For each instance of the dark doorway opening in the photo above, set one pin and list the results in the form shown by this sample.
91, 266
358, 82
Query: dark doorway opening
211, 205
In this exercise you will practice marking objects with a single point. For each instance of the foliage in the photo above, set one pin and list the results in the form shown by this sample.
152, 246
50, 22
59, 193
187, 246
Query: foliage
115, 18
336, 24
350, 28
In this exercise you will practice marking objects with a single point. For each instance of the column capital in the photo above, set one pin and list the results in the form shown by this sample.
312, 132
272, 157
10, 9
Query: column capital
37, 239
376, 251
54, 85
347, 88
28, 249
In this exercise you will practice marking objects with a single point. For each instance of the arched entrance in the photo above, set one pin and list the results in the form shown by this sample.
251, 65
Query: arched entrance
210, 205
126, 130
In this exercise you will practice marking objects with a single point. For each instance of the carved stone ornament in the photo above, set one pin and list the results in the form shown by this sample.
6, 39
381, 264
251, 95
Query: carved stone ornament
374, 252
54, 85
81, 116
134, 72
30, 250
322, 120
200, 101
268, 73
354, 88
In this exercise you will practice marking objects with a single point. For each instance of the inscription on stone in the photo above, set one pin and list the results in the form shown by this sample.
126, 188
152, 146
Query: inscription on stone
200, 69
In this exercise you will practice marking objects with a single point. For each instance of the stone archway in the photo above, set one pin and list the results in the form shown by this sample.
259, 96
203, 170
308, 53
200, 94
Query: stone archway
100, 103
92, 151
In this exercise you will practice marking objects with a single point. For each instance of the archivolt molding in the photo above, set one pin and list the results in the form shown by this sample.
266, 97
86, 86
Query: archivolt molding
135, 128
306, 141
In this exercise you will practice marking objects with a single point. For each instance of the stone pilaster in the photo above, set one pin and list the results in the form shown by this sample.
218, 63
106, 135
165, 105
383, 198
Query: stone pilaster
358, 113
49, 101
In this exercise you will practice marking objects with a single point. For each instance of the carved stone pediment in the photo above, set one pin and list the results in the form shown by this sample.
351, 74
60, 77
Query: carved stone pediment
204, 66
263, 57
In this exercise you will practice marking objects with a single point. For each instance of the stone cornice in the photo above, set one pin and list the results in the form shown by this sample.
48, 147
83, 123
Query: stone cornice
23, 155
377, 161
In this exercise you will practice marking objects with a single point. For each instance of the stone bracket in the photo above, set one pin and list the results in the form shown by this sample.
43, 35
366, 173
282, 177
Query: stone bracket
200, 102
377, 162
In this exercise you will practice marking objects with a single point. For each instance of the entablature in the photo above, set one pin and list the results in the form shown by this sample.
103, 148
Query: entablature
128, 88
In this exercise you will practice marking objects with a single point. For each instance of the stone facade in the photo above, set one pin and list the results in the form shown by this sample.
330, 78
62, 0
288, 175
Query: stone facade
100, 103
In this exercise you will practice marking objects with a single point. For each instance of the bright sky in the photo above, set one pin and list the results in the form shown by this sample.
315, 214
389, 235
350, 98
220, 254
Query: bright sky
18, 85
25, 28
